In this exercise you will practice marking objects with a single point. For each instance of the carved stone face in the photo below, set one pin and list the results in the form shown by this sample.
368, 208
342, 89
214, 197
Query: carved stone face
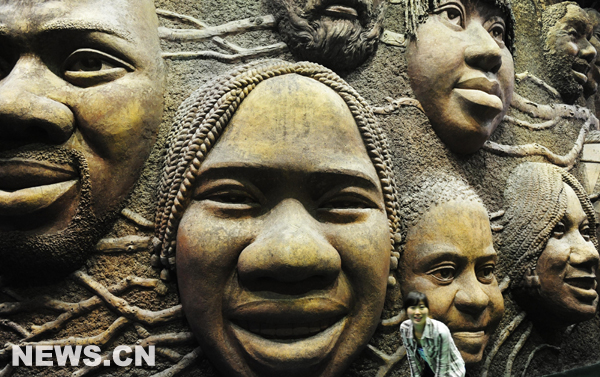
568, 52
450, 257
283, 254
338, 34
81, 92
594, 74
462, 72
566, 269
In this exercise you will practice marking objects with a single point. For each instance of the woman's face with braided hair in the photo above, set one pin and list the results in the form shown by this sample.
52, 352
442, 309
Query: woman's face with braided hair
283, 255
565, 274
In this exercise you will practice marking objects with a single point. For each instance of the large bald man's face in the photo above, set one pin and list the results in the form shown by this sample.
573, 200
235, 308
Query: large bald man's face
81, 92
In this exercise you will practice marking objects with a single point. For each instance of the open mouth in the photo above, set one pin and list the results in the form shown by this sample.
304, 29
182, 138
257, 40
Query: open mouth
580, 71
287, 331
351, 9
28, 186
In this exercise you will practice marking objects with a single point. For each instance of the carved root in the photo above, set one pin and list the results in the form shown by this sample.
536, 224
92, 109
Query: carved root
250, 53
532, 355
395, 104
120, 305
15, 327
128, 244
7, 371
395, 320
539, 82
516, 350
208, 32
389, 360
500, 340
182, 365
137, 218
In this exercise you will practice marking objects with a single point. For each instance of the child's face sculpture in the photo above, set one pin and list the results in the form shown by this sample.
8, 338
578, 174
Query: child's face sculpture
462, 72
283, 255
449, 256
565, 274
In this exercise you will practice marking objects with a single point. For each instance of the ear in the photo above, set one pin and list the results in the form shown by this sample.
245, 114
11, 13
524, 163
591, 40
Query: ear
531, 280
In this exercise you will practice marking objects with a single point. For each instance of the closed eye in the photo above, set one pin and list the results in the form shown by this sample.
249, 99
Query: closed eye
88, 67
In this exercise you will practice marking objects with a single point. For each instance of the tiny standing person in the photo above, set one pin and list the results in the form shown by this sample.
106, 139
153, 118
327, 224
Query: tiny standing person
429, 346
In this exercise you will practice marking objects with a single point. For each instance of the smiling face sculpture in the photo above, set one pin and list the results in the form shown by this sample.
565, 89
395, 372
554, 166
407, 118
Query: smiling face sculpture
461, 69
449, 256
550, 245
81, 93
568, 53
278, 219
340, 34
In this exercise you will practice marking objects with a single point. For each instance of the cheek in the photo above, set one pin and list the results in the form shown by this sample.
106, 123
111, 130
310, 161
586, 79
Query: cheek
506, 77
554, 258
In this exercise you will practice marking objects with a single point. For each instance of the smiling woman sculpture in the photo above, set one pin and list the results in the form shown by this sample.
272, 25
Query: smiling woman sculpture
548, 244
278, 197
460, 67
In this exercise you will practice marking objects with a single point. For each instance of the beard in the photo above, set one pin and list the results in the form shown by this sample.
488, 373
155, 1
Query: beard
337, 43
559, 69
28, 259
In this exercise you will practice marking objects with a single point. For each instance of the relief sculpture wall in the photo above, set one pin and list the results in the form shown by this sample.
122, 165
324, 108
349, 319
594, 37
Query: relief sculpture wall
251, 187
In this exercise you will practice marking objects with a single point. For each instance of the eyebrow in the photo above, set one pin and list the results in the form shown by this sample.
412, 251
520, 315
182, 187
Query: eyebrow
84, 26
318, 176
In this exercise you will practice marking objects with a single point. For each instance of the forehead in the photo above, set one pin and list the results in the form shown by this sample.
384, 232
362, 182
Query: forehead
461, 228
575, 17
575, 211
121, 17
293, 123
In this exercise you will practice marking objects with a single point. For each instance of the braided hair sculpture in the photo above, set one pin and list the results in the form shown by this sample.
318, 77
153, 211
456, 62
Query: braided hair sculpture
202, 118
536, 201
417, 11
432, 189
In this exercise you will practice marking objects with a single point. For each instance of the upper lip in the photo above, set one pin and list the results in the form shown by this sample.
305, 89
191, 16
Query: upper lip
581, 66
481, 83
19, 173
583, 280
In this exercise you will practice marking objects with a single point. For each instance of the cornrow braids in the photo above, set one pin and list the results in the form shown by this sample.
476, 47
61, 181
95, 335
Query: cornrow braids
430, 190
202, 118
536, 202
416, 12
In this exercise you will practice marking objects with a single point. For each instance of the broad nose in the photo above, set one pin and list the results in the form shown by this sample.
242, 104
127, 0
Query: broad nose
483, 51
30, 107
290, 249
471, 297
587, 51
584, 255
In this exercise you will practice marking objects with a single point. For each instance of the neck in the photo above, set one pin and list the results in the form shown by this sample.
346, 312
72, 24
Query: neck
418, 330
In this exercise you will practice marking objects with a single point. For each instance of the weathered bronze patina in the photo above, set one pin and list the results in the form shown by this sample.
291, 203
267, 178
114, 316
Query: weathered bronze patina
81, 95
281, 228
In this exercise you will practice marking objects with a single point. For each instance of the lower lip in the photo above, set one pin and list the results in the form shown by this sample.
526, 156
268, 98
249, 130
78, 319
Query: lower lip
481, 98
580, 77
470, 341
32, 199
584, 294
341, 11
285, 355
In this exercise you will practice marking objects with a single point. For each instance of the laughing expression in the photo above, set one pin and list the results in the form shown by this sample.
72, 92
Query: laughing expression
283, 254
449, 256
462, 72
566, 269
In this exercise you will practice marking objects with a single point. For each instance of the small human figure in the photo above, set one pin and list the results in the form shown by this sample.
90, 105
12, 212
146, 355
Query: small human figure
429, 346
460, 67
